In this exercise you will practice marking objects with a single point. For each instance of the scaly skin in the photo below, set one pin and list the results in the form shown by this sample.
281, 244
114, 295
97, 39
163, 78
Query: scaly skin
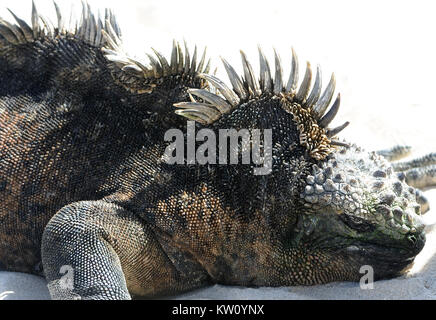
83, 184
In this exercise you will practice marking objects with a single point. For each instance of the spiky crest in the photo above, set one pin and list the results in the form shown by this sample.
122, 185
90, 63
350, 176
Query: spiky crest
139, 77
87, 28
308, 107
104, 33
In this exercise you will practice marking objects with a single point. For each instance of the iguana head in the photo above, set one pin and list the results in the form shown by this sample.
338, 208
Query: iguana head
331, 208
361, 212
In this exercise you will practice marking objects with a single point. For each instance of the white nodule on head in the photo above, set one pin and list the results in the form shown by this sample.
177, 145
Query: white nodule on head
363, 185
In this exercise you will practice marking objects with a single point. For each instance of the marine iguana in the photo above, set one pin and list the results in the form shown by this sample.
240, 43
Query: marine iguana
84, 187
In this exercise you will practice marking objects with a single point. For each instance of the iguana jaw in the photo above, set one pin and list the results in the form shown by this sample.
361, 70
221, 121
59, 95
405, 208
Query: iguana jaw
337, 253
387, 262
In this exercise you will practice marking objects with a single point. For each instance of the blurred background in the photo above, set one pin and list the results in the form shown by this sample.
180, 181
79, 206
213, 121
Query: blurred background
382, 53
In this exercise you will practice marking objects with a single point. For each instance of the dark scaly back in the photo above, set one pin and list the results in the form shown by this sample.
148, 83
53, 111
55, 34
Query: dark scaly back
67, 120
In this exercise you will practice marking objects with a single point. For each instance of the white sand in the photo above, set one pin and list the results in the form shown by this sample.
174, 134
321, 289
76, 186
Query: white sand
383, 57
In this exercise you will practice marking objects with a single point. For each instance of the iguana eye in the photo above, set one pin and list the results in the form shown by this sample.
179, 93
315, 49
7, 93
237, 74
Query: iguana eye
357, 223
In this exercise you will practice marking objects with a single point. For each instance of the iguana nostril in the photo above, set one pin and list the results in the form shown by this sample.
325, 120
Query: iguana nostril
412, 239
416, 242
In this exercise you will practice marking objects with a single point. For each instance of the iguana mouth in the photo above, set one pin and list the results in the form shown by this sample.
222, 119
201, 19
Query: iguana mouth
390, 253
387, 261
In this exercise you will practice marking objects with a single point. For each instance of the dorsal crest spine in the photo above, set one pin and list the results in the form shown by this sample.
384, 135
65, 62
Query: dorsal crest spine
307, 106
133, 74
88, 28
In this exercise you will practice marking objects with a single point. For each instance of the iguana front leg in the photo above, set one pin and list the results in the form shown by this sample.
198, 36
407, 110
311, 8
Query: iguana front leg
418, 173
98, 250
